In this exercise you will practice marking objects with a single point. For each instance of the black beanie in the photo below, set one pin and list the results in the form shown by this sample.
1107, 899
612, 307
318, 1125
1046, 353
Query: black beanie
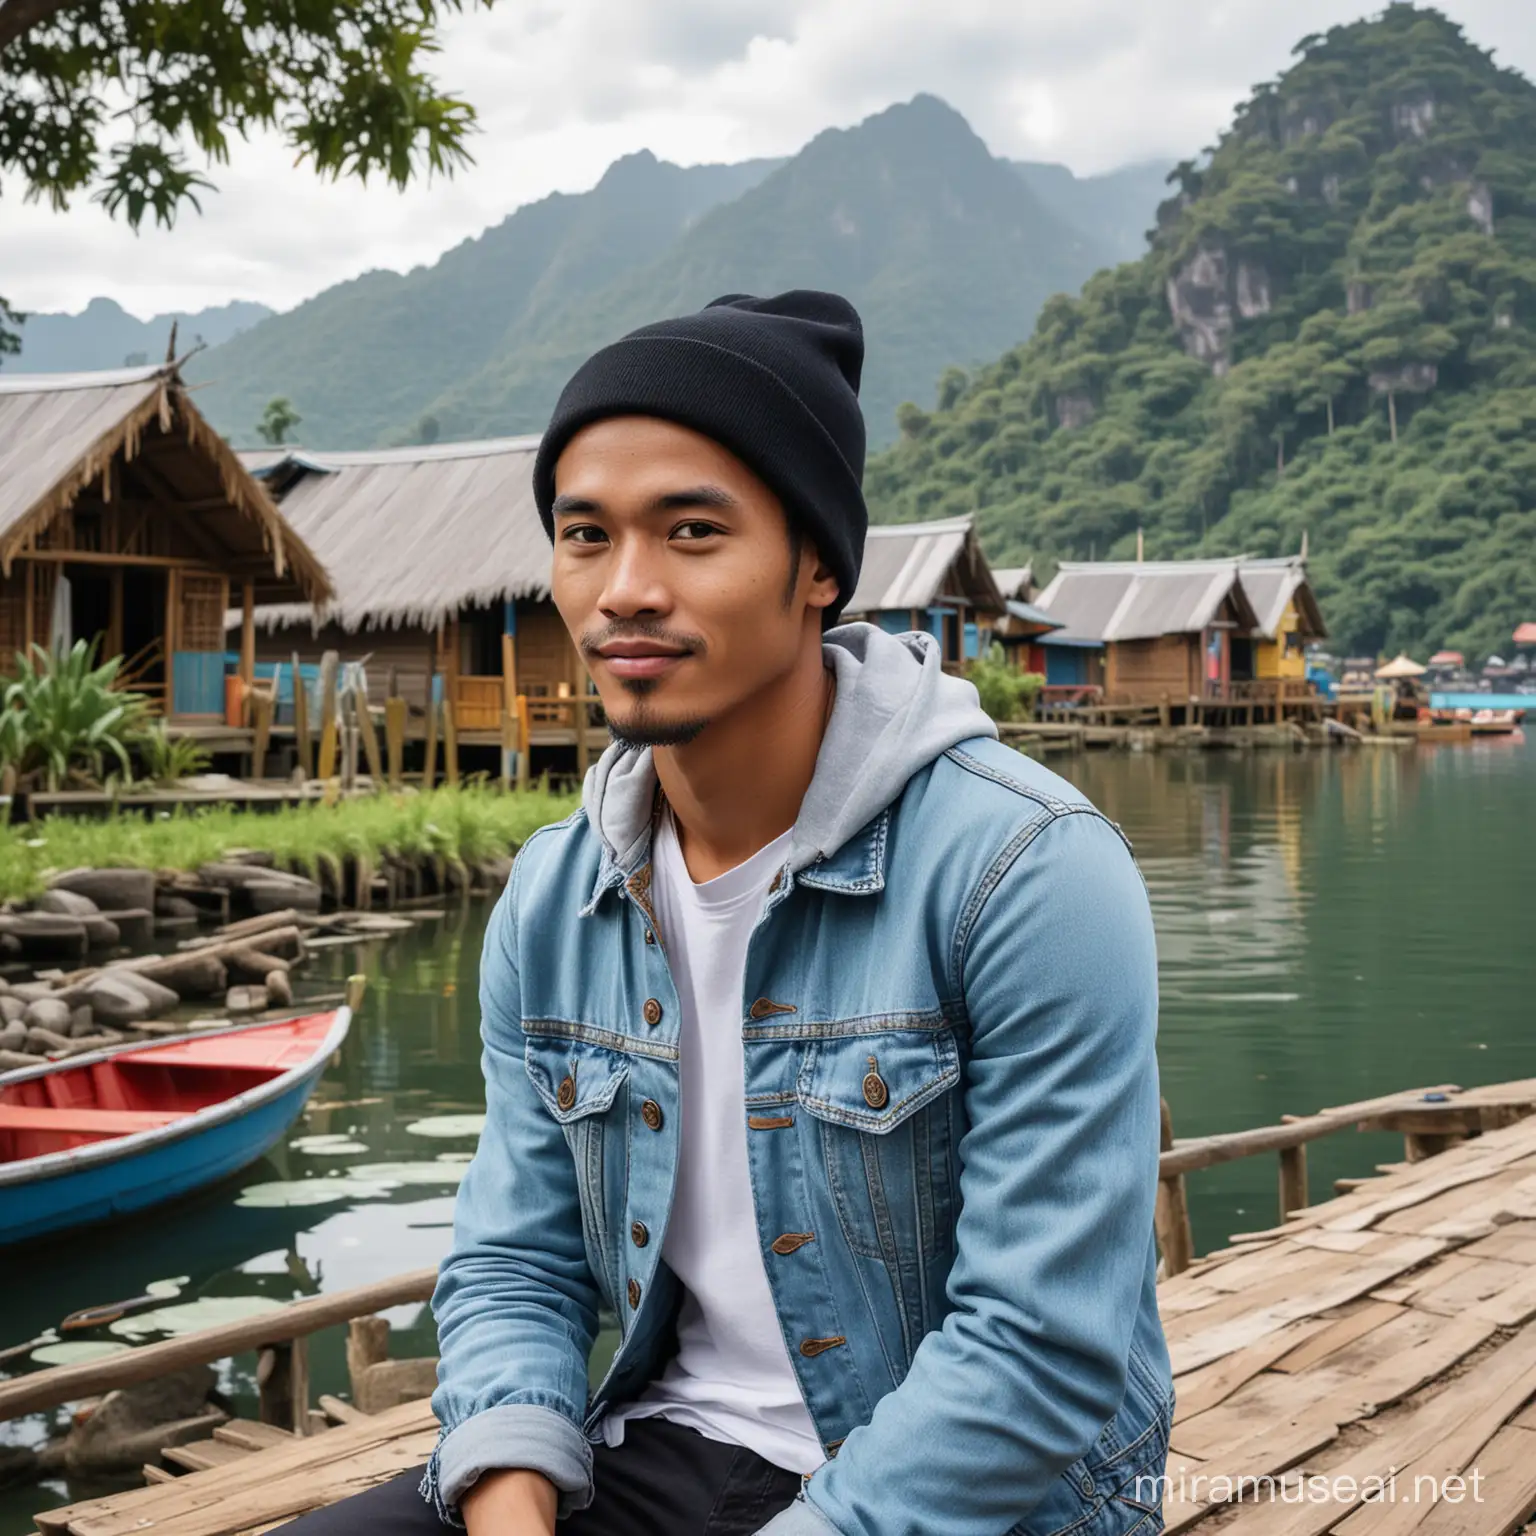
776, 381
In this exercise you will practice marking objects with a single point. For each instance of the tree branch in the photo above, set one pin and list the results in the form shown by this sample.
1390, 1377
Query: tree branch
18, 17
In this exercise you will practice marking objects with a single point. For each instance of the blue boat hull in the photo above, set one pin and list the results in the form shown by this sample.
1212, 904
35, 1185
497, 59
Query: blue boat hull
151, 1175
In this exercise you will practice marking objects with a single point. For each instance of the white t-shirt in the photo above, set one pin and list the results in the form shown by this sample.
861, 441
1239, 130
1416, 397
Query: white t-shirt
731, 1378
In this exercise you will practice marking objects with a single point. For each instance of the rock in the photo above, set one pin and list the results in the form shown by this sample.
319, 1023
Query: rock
115, 1000
135, 925
101, 932
12, 1009
130, 1425
81, 1021
188, 974
246, 999
49, 1013
175, 924
30, 991
14, 1061
159, 996
279, 989
65, 903
40, 1041
113, 890
10, 945
252, 965
13, 1036
97, 1040
274, 896
42, 935
236, 877
168, 904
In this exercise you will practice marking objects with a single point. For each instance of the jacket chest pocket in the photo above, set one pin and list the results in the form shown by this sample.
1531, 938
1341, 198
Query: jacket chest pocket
884, 1111
582, 1087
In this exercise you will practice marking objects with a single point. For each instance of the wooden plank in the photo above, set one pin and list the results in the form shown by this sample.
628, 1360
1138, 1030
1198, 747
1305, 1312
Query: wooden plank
1447, 1430
1201, 1390
394, 736
248, 1435
152, 1475
1293, 1180
261, 710
429, 760
450, 743
337, 1411
1473, 1280
1511, 1307
1516, 1240
370, 738
202, 1454
69, 1383
1336, 1334
1503, 1497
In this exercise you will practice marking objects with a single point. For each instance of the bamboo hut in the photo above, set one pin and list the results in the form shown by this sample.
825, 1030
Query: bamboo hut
125, 517
1289, 620
442, 572
933, 577
1159, 630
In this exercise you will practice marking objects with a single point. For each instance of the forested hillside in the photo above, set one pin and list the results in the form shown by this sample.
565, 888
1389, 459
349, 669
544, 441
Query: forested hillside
1332, 333
364, 361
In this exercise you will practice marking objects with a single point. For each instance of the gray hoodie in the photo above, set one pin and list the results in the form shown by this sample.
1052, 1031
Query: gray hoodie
896, 711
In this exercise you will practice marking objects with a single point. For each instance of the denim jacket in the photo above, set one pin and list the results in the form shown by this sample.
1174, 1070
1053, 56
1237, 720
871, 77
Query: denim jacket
951, 1102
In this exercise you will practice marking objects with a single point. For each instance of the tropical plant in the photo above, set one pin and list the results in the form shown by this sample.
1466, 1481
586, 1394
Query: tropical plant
65, 720
166, 758
277, 421
1005, 694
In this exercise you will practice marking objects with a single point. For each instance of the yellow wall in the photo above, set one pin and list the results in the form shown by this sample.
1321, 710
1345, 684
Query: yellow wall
1269, 658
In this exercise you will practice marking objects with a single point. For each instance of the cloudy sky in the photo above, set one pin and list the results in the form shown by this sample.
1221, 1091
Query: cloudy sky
563, 87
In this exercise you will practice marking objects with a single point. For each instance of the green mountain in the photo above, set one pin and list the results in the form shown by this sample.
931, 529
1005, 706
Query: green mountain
1332, 334
105, 335
1113, 210
365, 359
943, 247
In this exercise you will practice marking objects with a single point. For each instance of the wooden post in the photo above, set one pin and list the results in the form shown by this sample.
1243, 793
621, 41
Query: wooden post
1174, 1235
330, 663
261, 709
115, 613
450, 744
579, 715
282, 1384
508, 706
370, 736
524, 745
394, 737
301, 737
172, 606
367, 1345
248, 635
429, 762
1293, 1180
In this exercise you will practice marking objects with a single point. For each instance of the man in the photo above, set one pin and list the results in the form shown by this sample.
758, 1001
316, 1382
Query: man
818, 1043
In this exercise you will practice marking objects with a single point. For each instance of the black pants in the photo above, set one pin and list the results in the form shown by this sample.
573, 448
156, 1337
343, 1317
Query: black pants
665, 1480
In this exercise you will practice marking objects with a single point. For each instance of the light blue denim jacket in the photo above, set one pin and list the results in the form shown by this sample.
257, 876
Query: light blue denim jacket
949, 1020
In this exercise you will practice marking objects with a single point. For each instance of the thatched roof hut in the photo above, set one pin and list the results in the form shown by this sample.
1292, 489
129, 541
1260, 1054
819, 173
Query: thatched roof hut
413, 536
913, 566
132, 436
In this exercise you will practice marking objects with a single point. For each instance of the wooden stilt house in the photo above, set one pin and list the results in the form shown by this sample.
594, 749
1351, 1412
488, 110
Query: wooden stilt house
125, 517
441, 569
933, 577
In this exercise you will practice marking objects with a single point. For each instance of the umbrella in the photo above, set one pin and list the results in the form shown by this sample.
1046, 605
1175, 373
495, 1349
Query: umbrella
1446, 659
1400, 666
1525, 634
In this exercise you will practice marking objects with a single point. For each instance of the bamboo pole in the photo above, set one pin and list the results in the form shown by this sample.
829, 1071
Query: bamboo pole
394, 737
370, 738
301, 737
248, 635
429, 762
261, 710
329, 664
524, 744
70, 1383
450, 744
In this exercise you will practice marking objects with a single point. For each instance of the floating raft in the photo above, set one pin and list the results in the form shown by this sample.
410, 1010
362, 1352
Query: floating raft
1390, 1333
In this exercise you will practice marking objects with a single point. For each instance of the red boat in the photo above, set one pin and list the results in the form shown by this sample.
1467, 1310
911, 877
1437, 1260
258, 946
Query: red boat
121, 1129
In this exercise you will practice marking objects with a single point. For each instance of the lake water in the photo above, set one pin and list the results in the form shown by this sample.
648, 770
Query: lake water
1331, 926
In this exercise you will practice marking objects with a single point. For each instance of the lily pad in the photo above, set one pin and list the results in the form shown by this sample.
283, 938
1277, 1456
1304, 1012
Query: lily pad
78, 1351
189, 1316
448, 1125
166, 1288
281, 1193
332, 1144
411, 1173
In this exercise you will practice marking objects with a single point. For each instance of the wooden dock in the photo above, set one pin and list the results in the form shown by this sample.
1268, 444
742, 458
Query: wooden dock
1383, 1343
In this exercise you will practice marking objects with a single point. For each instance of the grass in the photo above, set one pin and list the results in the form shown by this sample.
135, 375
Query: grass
470, 825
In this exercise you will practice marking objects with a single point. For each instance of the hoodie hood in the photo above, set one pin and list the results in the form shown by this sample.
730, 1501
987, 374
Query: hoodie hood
896, 710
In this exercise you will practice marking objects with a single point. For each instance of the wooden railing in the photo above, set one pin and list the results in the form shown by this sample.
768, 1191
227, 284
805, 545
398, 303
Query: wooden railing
479, 703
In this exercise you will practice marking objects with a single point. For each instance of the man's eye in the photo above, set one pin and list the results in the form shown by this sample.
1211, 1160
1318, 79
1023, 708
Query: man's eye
583, 533
695, 530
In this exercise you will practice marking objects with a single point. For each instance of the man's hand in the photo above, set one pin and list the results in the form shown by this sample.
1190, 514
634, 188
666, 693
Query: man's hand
516, 1502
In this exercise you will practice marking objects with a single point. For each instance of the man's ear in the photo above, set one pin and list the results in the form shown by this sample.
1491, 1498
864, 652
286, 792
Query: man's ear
824, 587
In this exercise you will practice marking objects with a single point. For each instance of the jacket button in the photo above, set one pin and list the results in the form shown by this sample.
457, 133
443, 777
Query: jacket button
650, 936
650, 1112
651, 1013
1087, 1486
639, 1234
876, 1094
634, 1294
565, 1095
